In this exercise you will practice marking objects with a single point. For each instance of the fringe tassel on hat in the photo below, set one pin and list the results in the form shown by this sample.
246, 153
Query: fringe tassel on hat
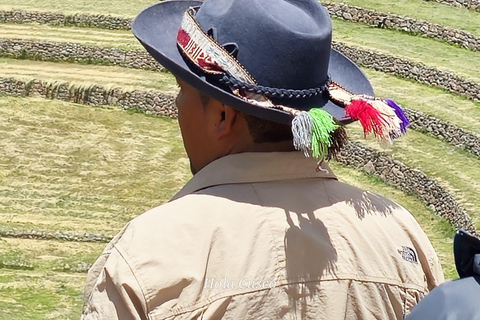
302, 126
400, 114
339, 139
384, 118
312, 132
370, 118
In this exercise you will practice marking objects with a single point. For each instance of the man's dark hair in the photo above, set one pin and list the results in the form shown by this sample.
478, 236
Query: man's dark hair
265, 131
261, 130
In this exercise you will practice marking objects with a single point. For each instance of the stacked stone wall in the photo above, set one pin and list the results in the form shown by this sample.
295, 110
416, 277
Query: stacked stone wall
411, 70
159, 104
72, 52
454, 135
52, 51
408, 180
339, 10
60, 19
146, 101
379, 164
396, 22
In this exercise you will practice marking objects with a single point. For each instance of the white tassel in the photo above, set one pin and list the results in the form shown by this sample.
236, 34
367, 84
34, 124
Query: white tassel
392, 122
302, 126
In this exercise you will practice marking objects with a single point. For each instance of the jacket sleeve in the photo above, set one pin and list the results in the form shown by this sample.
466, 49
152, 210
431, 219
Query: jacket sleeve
112, 291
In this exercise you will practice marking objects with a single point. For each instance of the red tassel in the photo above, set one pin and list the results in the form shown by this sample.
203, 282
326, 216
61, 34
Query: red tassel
370, 118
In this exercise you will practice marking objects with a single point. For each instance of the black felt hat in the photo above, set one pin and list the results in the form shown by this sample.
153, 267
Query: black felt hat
285, 45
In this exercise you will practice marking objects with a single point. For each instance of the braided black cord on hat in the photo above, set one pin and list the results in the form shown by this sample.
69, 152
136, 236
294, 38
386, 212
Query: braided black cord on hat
273, 92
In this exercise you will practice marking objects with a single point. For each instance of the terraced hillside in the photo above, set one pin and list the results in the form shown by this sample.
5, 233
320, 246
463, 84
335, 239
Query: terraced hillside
87, 144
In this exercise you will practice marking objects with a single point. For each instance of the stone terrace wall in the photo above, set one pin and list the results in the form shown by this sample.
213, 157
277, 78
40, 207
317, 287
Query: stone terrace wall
469, 4
410, 70
448, 132
391, 171
149, 102
52, 51
71, 52
391, 21
339, 10
408, 180
57, 235
60, 19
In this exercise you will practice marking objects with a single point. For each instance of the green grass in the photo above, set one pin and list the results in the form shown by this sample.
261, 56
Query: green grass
455, 169
454, 17
104, 7
77, 168
48, 255
438, 230
122, 39
441, 55
459, 18
445, 106
86, 169
464, 63
32, 295
106, 76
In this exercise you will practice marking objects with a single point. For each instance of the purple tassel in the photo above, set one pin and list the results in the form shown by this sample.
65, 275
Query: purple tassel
400, 114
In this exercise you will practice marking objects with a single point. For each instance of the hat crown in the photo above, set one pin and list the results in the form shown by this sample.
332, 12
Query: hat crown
282, 44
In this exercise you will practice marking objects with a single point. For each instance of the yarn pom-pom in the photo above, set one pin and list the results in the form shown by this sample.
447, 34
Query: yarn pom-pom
302, 126
312, 132
392, 124
323, 126
400, 114
370, 118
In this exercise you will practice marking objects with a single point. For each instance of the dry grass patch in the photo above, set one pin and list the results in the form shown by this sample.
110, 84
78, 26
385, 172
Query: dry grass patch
31, 295
105, 76
73, 167
86, 36
104, 7
48, 255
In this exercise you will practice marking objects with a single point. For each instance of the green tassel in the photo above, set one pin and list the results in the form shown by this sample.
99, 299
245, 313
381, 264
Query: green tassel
323, 126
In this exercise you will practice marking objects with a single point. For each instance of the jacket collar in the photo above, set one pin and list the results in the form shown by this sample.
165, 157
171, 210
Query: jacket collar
251, 167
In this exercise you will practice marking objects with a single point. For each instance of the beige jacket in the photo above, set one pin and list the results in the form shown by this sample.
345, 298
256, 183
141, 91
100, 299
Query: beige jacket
265, 236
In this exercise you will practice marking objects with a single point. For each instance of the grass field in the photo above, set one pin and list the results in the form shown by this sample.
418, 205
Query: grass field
88, 169
41, 295
106, 76
440, 55
455, 17
104, 7
58, 158
122, 39
420, 151
459, 18
79, 169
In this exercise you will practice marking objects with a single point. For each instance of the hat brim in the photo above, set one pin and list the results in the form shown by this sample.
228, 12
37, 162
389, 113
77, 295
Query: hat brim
157, 26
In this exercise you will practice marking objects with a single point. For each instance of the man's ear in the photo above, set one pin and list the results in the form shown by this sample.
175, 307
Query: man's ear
226, 118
